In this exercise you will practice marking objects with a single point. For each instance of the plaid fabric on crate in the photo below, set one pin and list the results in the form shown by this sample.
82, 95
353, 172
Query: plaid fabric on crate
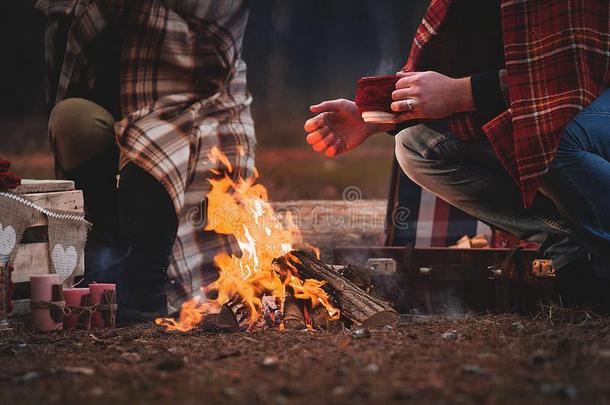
557, 57
183, 92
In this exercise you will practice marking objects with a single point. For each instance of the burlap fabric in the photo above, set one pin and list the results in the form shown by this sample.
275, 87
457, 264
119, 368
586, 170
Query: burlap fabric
67, 238
14, 219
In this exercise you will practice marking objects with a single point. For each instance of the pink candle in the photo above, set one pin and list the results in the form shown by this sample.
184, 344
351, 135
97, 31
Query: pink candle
41, 290
74, 298
97, 291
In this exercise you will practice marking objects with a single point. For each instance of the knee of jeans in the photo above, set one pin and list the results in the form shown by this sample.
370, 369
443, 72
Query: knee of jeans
572, 146
419, 139
574, 134
79, 129
413, 146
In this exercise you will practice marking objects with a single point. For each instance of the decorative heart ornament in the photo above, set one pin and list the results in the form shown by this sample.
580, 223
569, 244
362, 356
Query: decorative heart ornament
8, 239
64, 261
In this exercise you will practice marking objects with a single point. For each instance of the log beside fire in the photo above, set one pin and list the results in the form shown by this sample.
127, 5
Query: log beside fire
356, 305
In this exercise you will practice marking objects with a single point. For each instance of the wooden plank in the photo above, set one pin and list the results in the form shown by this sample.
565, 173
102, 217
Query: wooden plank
61, 200
42, 186
33, 259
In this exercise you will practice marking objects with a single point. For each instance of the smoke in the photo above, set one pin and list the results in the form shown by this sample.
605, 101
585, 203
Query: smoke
453, 304
413, 294
388, 286
102, 262
387, 40
393, 289
387, 64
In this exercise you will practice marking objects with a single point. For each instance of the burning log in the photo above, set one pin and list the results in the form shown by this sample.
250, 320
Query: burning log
271, 313
321, 320
293, 314
226, 319
233, 316
210, 323
240, 311
223, 321
355, 304
360, 276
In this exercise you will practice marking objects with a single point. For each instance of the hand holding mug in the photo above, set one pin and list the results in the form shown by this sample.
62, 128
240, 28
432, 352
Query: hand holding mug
430, 95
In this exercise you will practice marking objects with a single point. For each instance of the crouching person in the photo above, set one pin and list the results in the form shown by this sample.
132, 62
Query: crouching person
140, 94
503, 111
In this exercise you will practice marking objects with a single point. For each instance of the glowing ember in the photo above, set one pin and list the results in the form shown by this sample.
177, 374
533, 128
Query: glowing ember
242, 209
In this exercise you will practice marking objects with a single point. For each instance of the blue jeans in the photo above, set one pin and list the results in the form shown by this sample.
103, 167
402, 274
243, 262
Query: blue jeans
570, 217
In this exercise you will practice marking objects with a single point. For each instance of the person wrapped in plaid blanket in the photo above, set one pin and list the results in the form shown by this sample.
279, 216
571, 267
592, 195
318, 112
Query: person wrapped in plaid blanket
141, 91
503, 111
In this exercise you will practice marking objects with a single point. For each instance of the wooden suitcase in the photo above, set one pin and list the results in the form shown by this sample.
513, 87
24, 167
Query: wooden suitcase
449, 280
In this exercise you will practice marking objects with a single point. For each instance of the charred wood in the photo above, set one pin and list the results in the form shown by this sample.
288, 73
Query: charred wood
355, 303
293, 314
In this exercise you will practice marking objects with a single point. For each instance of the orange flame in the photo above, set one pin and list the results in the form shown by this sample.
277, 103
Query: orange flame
241, 209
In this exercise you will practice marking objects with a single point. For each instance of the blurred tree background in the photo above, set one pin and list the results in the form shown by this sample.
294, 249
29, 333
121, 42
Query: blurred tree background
299, 52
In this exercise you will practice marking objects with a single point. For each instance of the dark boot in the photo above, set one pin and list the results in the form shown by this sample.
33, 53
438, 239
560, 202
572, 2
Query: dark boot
149, 225
141, 294
577, 286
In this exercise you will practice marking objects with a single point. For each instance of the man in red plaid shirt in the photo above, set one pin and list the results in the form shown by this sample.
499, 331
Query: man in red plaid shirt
503, 111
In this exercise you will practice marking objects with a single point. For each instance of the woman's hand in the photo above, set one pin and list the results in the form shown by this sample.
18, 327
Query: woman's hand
338, 127
430, 95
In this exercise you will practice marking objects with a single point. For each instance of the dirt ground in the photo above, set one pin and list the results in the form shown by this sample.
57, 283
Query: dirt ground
557, 356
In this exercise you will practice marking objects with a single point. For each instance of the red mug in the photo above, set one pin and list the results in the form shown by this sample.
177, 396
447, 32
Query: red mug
374, 98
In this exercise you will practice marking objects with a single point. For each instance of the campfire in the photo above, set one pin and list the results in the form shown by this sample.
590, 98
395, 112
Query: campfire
271, 285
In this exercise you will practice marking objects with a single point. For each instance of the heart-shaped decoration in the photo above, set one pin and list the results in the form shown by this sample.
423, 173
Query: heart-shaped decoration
8, 240
64, 260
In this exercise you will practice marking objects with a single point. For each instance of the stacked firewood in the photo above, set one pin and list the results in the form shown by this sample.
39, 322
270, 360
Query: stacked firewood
348, 287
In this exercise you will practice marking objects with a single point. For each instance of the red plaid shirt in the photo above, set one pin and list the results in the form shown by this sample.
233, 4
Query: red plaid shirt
557, 57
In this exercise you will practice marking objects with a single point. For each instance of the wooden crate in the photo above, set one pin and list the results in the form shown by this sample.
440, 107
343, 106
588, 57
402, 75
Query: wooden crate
33, 256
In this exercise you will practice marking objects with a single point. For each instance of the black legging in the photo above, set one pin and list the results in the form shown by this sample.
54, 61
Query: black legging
134, 225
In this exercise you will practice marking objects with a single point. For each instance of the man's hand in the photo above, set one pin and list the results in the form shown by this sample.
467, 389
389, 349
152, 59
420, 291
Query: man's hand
338, 127
430, 95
